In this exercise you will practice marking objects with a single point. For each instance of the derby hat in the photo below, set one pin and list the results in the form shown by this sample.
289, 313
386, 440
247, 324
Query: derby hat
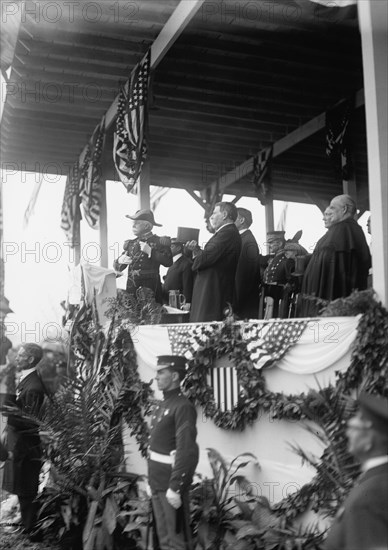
145, 215
174, 362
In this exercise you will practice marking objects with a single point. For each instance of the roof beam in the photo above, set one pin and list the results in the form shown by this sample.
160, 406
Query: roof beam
178, 21
174, 27
283, 144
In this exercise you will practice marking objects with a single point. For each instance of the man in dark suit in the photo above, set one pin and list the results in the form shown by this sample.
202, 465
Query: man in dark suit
144, 255
180, 275
215, 266
247, 285
21, 470
361, 523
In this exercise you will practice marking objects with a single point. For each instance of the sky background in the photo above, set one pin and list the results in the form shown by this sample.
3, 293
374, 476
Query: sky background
37, 260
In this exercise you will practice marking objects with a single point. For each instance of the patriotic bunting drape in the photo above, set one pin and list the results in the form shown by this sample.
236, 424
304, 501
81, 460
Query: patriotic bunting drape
298, 347
70, 214
129, 141
90, 183
337, 143
262, 175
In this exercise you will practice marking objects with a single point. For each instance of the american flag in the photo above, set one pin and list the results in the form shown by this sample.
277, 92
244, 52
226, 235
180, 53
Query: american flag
90, 186
129, 142
268, 342
337, 122
262, 174
70, 213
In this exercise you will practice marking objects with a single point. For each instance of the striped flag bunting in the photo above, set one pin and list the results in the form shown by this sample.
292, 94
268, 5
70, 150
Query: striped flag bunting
90, 181
268, 342
129, 141
262, 174
223, 377
70, 213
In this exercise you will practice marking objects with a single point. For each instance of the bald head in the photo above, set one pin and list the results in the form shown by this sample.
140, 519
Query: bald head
341, 207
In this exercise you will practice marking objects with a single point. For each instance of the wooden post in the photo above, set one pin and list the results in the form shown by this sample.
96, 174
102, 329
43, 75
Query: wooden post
103, 226
77, 237
143, 194
269, 219
373, 17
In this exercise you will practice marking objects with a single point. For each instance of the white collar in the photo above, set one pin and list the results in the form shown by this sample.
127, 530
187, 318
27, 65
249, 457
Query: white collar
25, 373
241, 231
177, 256
222, 226
374, 462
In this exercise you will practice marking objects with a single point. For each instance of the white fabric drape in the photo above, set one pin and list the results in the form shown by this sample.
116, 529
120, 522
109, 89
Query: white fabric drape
324, 343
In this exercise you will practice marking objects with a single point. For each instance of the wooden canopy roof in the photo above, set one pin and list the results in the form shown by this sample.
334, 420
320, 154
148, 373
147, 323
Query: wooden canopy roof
241, 76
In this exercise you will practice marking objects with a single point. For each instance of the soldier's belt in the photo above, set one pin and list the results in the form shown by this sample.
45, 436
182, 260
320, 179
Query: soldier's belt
158, 457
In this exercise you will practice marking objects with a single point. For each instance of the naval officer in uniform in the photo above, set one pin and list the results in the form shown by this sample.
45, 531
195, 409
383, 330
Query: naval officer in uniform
173, 456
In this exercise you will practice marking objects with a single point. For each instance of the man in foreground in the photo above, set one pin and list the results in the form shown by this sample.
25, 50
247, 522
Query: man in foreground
21, 470
362, 522
173, 456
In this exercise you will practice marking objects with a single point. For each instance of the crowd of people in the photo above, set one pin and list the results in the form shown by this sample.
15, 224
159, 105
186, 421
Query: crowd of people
231, 273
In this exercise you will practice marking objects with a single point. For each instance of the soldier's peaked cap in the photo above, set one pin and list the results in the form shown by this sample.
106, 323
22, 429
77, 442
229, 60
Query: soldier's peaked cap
275, 235
175, 362
375, 409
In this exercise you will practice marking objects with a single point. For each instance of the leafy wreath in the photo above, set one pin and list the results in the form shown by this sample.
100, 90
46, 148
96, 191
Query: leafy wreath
214, 342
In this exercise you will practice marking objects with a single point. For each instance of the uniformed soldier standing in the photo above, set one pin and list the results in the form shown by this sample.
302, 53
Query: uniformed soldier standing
173, 456
144, 255
277, 272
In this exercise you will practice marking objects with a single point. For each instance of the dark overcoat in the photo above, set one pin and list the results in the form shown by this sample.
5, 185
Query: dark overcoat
215, 267
361, 523
247, 285
339, 264
21, 474
180, 277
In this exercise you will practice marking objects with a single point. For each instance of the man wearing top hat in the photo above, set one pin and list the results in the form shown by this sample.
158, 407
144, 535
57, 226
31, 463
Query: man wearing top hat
180, 275
144, 255
173, 455
362, 521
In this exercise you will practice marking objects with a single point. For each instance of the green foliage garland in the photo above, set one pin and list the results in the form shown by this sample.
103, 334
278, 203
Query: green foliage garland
219, 342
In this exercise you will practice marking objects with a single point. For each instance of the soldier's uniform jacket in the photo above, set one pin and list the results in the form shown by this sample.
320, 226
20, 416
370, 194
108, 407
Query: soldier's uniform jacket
173, 428
144, 270
279, 269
